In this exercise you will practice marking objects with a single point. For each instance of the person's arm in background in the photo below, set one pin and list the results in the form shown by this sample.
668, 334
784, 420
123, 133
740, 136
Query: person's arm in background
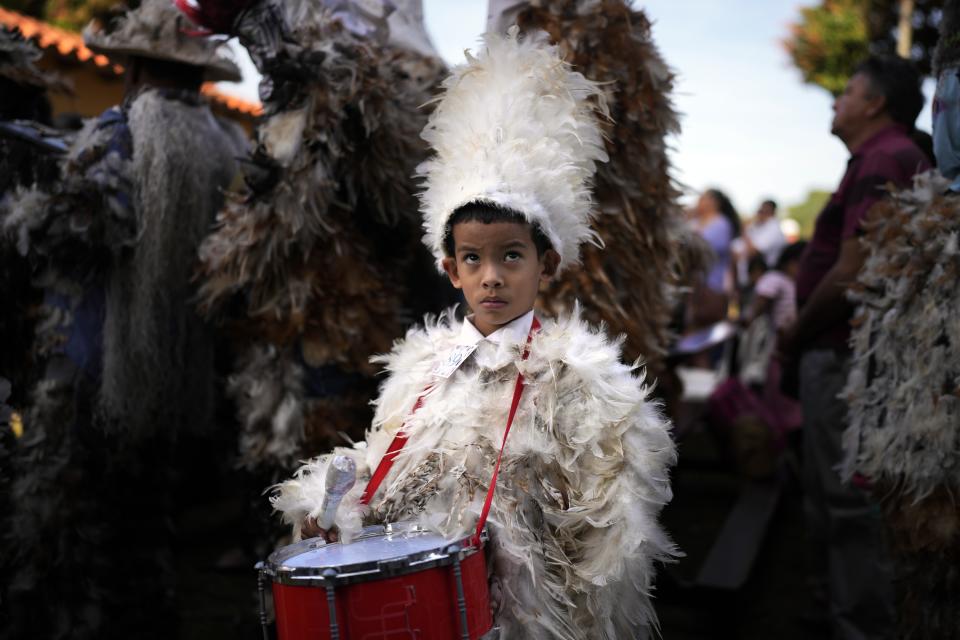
760, 306
828, 303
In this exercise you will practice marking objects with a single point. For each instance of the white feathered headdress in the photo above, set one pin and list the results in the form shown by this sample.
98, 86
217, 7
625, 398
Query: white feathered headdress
515, 127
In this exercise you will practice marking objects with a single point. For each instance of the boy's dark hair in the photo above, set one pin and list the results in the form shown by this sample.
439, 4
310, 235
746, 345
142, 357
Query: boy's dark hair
488, 213
770, 203
790, 253
897, 80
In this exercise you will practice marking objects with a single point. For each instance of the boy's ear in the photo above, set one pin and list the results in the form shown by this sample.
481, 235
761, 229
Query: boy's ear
551, 262
450, 266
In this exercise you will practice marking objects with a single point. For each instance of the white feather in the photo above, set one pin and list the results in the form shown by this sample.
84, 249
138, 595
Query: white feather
516, 127
585, 473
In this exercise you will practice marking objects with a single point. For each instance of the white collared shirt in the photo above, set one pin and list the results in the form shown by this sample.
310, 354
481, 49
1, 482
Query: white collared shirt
491, 352
513, 332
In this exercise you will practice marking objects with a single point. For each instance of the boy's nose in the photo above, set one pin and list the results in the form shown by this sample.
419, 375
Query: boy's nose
492, 277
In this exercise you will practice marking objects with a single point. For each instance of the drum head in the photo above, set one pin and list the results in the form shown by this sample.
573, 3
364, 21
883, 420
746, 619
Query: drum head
379, 551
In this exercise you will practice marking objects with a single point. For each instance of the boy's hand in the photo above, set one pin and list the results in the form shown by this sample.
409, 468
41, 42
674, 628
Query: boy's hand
310, 529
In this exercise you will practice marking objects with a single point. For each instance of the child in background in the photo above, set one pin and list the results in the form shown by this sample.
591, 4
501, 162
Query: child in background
753, 418
573, 522
754, 269
775, 292
774, 307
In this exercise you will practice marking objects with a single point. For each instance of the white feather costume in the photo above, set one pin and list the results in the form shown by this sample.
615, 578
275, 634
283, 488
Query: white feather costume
573, 523
584, 475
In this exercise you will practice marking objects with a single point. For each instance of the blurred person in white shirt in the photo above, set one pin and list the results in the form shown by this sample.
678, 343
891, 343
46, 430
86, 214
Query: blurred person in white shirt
762, 236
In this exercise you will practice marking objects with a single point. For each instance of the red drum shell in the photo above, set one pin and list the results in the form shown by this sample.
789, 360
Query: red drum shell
421, 605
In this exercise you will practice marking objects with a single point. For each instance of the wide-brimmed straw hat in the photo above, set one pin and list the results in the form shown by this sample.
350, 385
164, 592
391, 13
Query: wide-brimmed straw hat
156, 29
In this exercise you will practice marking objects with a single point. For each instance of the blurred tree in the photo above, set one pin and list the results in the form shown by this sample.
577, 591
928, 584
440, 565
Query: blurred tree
832, 37
75, 14
69, 14
806, 212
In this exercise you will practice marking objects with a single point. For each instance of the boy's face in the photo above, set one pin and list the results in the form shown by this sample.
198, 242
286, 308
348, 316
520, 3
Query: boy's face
497, 267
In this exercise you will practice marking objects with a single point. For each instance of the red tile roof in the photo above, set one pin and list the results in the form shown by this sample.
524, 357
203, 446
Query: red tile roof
68, 44
230, 102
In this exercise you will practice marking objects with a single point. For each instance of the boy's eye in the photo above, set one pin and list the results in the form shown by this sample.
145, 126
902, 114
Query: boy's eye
512, 255
471, 258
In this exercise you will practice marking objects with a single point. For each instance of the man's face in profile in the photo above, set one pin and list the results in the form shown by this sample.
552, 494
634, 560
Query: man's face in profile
854, 107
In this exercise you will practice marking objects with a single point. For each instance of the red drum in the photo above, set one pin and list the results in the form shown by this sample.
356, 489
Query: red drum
396, 581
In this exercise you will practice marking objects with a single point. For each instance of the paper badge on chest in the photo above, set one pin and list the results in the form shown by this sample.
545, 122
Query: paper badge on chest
452, 361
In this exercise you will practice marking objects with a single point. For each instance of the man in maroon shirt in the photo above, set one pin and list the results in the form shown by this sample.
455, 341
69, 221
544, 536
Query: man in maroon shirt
873, 117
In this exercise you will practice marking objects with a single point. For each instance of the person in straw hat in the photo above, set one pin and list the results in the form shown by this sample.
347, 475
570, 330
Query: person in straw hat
128, 363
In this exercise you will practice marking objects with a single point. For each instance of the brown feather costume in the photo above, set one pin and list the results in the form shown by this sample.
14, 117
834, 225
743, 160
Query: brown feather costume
903, 393
631, 284
128, 364
316, 252
904, 383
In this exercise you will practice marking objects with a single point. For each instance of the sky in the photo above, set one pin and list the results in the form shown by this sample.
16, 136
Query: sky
749, 126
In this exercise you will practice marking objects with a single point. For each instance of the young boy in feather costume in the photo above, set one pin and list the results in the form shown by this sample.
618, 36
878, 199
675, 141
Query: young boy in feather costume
573, 523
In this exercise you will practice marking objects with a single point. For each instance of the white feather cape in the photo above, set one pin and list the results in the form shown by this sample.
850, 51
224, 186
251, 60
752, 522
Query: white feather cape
584, 476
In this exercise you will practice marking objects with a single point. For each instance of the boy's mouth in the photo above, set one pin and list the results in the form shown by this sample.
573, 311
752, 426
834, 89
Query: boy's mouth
493, 303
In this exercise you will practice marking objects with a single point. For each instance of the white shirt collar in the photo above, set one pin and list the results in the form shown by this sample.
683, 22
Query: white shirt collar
515, 331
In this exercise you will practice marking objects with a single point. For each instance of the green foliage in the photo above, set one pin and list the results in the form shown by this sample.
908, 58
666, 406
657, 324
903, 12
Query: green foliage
68, 14
828, 42
806, 212
75, 14
831, 38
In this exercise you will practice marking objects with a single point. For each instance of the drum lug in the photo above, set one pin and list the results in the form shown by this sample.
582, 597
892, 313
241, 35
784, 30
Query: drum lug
329, 577
261, 579
455, 552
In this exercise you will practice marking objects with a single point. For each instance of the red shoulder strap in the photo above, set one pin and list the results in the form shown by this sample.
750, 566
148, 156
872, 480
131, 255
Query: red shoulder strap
387, 460
517, 392
401, 439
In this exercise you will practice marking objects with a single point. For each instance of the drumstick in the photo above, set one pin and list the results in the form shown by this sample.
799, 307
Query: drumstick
340, 478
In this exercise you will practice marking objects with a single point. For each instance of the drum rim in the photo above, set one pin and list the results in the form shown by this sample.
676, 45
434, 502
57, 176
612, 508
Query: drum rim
444, 554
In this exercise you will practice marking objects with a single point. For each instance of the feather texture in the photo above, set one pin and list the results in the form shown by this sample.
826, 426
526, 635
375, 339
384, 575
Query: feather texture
904, 386
648, 253
311, 260
584, 475
18, 63
115, 241
515, 126
904, 396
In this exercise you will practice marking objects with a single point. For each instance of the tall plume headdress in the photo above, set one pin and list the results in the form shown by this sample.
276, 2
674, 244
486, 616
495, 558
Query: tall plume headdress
515, 127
